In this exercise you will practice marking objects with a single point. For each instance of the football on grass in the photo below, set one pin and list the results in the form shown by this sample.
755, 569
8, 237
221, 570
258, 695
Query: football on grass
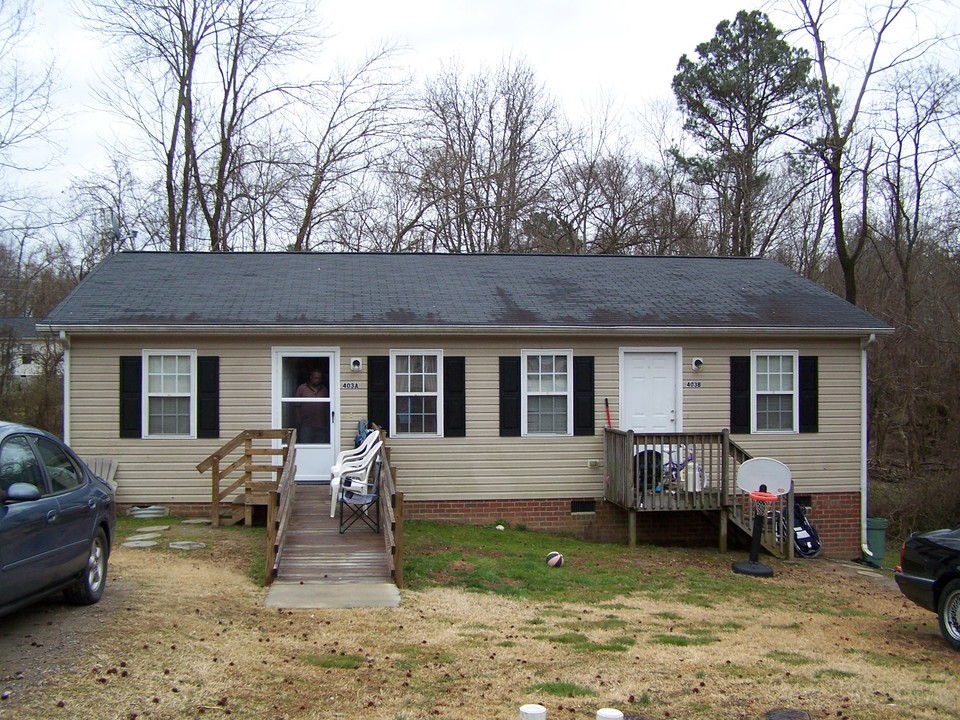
554, 559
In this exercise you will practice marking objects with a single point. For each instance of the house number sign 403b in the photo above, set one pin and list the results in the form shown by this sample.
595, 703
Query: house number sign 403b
350, 386
694, 384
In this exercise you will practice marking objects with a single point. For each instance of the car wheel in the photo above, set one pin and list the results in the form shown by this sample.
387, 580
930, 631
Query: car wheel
948, 611
88, 588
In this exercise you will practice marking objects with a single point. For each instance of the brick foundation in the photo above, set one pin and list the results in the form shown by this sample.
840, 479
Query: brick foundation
836, 516
607, 524
184, 510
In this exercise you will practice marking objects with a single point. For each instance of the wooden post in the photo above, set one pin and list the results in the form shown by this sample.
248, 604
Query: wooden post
247, 479
632, 527
273, 499
398, 539
215, 494
723, 529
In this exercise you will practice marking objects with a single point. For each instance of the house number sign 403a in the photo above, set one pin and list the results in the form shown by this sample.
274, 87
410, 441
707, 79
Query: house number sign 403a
350, 386
694, 384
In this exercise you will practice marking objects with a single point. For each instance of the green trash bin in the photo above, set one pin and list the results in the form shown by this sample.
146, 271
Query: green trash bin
876, 540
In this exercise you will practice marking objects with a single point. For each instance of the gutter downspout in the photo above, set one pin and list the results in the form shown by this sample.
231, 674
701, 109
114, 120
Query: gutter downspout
864, 344
65, 341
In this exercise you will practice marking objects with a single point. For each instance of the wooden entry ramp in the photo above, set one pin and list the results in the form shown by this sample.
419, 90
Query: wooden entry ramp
322, 568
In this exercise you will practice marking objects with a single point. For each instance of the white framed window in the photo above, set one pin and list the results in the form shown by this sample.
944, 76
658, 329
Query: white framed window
170, 393
546, 392
416, 392
775, 391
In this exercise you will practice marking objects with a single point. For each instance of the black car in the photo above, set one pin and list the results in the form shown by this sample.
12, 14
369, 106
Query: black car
57, 521
929, 574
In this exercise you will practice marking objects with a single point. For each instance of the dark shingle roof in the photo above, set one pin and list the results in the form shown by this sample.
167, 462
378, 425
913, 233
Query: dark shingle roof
22, 328
369, 290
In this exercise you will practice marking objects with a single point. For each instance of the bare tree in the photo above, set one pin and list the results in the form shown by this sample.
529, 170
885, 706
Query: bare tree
841, 114
340, 134
25, 92
199, 79
27, 115
918, 142
491, 145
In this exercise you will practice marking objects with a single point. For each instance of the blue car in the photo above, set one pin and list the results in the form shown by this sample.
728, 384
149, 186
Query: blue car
57, 521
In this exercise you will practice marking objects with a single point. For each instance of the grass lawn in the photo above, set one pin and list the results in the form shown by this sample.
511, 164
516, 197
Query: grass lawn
484, 627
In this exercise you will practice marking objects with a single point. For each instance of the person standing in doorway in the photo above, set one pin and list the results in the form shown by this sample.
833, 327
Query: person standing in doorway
313, 418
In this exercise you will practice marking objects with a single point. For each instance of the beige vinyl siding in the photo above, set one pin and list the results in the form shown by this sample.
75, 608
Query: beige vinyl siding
825, 461
481, 465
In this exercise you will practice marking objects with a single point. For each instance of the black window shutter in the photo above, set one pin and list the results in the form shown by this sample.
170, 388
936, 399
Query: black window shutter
583, 396
378, 391
510, 396
208, 396
809, 382
131, 388
740, 394
454, 397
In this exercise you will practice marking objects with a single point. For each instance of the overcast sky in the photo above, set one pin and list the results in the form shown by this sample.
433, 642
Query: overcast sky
581, 50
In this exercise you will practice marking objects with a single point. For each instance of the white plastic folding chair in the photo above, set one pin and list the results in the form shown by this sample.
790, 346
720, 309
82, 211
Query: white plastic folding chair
347, 457
354, 470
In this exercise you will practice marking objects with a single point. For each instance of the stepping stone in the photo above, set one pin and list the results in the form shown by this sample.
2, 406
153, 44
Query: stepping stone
187, 545
787, 714
196, 521
139, 543
153, 528
145, 536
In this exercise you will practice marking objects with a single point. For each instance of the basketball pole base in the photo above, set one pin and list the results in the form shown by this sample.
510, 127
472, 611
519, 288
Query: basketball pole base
753, 568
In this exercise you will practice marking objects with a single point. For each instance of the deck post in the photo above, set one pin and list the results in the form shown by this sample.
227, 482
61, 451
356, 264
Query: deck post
632, 527
215, 494
398, 539
723, 529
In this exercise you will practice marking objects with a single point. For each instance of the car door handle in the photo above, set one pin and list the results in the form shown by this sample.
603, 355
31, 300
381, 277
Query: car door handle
92, 504
52, 516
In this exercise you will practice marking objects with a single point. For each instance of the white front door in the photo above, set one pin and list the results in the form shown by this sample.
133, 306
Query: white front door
648, 391
305, 383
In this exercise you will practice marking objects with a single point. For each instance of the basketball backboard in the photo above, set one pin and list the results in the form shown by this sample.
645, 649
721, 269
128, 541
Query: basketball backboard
764, 474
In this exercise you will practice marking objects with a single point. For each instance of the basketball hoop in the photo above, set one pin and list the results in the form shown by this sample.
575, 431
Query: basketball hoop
762, 499
756, 477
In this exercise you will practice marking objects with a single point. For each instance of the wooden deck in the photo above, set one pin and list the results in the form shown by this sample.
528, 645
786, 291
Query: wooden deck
315, 551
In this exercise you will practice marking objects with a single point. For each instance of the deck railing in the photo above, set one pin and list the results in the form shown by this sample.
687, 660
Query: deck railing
279, 508
391, 513
253, 470
687, 471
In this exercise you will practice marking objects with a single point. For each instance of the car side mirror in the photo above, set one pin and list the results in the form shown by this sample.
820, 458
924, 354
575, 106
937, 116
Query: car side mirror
22, 492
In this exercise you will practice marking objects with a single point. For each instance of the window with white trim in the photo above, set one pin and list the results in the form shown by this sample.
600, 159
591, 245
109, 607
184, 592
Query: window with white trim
417, 388
775, 391
546, 392
169, 387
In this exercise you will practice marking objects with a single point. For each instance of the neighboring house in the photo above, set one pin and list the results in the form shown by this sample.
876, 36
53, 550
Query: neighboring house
491, 373
22, 346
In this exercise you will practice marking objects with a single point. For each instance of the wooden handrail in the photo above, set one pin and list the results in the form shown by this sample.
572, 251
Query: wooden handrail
228, 476
391, 511
278, 512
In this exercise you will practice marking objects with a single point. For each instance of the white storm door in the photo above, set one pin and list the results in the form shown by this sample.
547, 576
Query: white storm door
648, 402
313, 411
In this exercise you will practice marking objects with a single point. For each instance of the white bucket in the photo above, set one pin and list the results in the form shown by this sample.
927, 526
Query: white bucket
533, 712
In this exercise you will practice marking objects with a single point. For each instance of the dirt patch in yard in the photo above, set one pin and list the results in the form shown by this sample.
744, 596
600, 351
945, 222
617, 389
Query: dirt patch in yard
185, 635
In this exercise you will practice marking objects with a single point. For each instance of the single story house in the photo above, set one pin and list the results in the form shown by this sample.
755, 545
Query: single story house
21, 345
494, 375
